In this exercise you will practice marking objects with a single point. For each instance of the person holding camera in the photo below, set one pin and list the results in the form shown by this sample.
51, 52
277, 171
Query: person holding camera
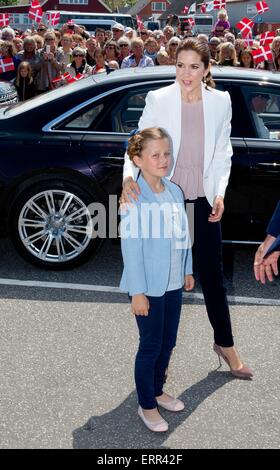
51, 60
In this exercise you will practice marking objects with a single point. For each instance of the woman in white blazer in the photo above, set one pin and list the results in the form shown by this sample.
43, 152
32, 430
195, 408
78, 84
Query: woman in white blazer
198, 119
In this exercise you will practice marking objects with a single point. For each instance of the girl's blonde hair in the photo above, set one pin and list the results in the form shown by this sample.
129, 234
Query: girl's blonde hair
222, 14
24, 65
138, 141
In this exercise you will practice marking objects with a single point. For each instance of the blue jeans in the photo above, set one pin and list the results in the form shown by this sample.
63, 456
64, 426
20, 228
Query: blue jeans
158, 333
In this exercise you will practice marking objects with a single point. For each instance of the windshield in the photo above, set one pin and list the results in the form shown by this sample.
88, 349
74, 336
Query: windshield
24, 106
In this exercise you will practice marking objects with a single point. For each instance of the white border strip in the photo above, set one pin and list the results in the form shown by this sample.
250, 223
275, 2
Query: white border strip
112, 289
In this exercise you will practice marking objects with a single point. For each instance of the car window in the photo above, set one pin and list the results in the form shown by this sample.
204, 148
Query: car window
129, 109
85, 119
241, 125
263, 105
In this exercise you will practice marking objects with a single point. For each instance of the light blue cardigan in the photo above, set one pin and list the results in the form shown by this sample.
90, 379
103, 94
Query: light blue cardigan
147, 260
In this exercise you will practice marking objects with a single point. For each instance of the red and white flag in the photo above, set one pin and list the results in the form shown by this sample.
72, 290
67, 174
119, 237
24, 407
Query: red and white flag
140, 24
191, 22
203, 8
248, 40
219, 4
6, 64
185, 10
70, 22
261, 54
4, 19
267, 38
245, 25
67, 77
262, 7
36, 14
35, 4
79, 76
53, 18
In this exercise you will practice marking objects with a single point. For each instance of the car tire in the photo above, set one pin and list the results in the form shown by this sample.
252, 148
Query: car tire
50, 224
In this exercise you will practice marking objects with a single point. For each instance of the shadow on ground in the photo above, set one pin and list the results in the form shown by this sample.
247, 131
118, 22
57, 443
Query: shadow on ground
121, 428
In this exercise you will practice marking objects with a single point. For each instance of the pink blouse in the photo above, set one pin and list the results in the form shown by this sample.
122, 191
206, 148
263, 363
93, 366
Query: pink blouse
188, 172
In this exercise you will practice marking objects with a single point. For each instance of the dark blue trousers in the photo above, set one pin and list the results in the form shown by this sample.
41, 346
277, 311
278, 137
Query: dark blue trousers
158, 333
207, 251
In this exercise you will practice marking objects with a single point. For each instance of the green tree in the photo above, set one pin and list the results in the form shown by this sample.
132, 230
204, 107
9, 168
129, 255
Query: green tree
7, 2
115, 4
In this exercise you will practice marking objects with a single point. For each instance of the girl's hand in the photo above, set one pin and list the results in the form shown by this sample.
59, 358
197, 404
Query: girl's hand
217, 210
130, 188
189, 282
140, 305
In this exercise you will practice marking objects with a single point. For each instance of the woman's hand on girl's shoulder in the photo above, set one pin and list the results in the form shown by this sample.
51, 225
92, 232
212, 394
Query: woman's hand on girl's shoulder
189, 282
130, 191
140, 305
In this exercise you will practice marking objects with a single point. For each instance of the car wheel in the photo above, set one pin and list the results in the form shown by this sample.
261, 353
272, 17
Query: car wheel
51, 225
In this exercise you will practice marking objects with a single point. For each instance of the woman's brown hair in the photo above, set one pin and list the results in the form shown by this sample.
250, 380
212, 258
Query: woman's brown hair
138, 141
202, 49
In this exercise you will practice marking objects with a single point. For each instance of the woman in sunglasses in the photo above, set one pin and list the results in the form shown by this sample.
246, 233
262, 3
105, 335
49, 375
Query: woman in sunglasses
124, 48
111, 51
79, 64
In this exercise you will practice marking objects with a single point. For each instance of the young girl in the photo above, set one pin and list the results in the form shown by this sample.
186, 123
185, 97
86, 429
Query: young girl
222, 24
157, 264
24, 82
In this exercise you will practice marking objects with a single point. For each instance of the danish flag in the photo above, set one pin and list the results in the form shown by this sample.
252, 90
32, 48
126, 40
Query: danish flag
35, 4
191, 22
248, 40
203, 8
36, 14
6, 64
53, 18
262, 7
4, 19
261, 54
140, 24
245, 25
185, 10
67, 77
219, 4
70, 22
267, 38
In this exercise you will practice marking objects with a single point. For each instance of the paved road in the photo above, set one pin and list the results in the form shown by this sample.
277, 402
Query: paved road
67, 365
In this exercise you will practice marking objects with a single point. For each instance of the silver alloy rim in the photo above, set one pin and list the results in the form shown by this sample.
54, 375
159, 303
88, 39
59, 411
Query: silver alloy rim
55, 226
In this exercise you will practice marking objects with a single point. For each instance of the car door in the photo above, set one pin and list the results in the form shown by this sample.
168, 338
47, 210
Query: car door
236, 222
263, 105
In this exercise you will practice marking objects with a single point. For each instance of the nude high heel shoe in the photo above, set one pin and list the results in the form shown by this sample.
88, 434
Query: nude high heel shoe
243, 373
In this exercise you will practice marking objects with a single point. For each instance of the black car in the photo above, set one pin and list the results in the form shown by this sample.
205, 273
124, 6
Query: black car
64, 150
8, 94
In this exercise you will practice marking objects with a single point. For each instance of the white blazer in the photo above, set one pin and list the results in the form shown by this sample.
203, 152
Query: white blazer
163, 109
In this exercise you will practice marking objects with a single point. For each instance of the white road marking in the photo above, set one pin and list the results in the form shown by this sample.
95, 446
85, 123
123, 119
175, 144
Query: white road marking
112, 289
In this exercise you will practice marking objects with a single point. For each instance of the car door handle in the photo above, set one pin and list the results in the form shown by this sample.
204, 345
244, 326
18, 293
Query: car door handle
269, 165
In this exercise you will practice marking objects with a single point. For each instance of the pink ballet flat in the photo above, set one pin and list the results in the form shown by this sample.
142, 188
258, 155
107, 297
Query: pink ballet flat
173, 405
155, 426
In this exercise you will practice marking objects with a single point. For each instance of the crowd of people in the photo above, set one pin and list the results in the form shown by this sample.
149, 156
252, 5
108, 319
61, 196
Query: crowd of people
41, 56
